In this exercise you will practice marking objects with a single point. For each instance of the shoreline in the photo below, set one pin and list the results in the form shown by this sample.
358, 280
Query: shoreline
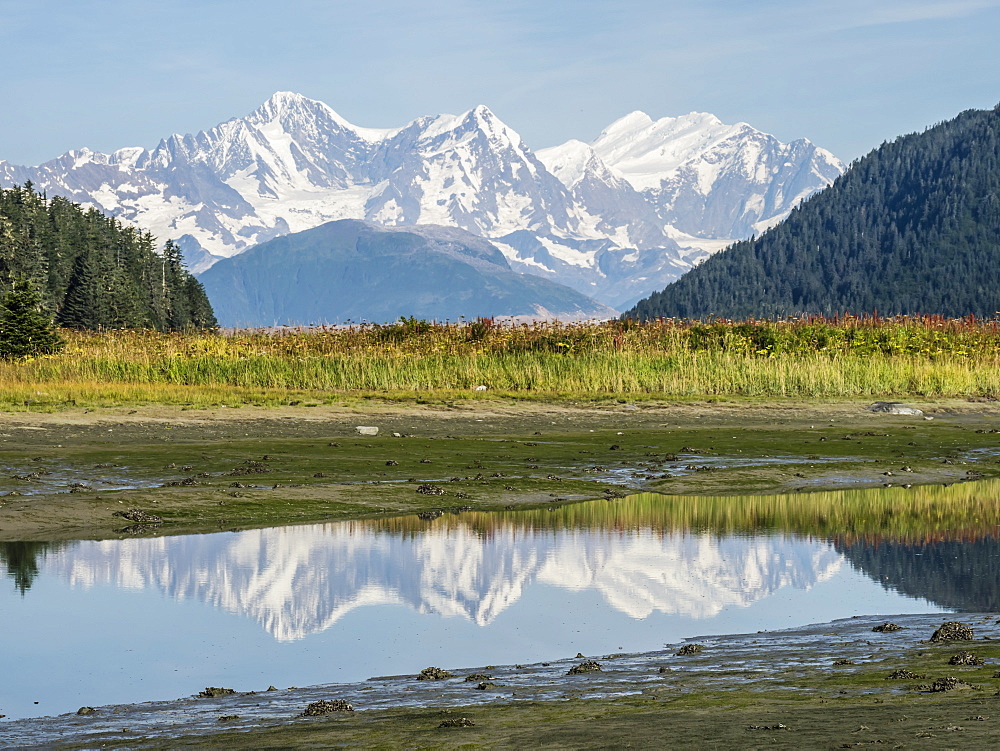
196, 469
713, 697
795, 677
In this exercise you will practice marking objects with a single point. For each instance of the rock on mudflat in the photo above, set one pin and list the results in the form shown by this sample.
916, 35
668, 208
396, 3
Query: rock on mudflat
367, 430
952, 631
965, 658
689, 649
433, 674
461, 722
213, 692
327, 706
893, 408
887, 628
903, 675
585, 667
949, 684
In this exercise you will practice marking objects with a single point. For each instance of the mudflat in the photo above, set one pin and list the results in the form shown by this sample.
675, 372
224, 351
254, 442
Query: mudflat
77, 474
149, 471
848, 684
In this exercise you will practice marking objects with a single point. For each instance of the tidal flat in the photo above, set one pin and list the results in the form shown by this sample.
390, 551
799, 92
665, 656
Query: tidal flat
799, 495
65, 475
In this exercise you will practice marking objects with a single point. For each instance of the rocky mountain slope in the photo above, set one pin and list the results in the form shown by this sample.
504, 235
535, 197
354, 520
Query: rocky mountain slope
614, 219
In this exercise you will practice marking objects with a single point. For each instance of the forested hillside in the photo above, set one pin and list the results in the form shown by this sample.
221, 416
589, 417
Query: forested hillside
914, 227
93, 271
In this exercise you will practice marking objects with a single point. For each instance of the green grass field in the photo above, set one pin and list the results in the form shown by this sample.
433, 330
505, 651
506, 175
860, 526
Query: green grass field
415, 359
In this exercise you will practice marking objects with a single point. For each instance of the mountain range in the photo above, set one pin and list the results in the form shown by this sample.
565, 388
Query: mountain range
615, 219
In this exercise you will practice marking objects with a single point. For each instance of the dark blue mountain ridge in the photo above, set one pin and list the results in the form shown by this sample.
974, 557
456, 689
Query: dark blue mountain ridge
354, 270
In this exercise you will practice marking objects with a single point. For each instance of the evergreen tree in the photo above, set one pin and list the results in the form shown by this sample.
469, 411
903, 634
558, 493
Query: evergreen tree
81, 307
92, 271
914, 228
25, 329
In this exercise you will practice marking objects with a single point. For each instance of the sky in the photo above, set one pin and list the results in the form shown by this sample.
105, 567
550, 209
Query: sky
847, 74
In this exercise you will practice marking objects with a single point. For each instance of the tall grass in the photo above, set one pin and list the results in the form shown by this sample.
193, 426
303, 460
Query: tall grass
927, 356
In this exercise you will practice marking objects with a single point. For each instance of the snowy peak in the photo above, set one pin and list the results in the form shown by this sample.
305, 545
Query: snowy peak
288, 106
645, 151
615, 219
470, 171
447, 132
573, 162
297, 581
711, 180
308, 119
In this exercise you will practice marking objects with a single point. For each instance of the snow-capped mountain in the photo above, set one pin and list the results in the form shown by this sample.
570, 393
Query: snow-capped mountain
712, 180
296, 581
615, 219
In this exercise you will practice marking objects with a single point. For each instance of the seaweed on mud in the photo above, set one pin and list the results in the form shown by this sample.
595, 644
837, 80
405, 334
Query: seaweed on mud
213, 692
952, 631
433, 674
325, 707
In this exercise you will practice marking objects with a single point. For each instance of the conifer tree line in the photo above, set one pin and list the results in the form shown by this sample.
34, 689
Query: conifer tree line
92, 271
912, 228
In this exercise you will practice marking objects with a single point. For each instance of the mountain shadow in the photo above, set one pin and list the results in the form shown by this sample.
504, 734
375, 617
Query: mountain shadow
352, 270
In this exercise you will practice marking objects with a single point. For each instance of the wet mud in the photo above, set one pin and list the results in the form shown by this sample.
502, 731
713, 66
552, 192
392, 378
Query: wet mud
792, 677
64, 476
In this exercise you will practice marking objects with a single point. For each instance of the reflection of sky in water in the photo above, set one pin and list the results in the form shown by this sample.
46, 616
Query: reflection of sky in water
140, 619
54, 476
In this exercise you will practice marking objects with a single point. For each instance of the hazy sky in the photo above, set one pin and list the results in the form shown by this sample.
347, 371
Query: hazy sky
847, 74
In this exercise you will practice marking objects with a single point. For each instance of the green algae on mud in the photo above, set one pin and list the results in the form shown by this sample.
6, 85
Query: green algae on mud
727, 722
780, 448
242, 469
796, 696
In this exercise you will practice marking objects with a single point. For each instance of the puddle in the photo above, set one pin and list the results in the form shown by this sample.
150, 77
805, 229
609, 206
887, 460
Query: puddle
50, 476
334, 604
688, 464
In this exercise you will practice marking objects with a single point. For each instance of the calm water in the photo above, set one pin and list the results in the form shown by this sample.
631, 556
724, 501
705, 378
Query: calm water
139, 619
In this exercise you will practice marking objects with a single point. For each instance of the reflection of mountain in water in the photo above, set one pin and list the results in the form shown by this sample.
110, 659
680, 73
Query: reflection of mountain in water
953, 574
299, 580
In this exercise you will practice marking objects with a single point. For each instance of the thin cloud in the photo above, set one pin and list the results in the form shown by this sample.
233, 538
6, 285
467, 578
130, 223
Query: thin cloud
910, 12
